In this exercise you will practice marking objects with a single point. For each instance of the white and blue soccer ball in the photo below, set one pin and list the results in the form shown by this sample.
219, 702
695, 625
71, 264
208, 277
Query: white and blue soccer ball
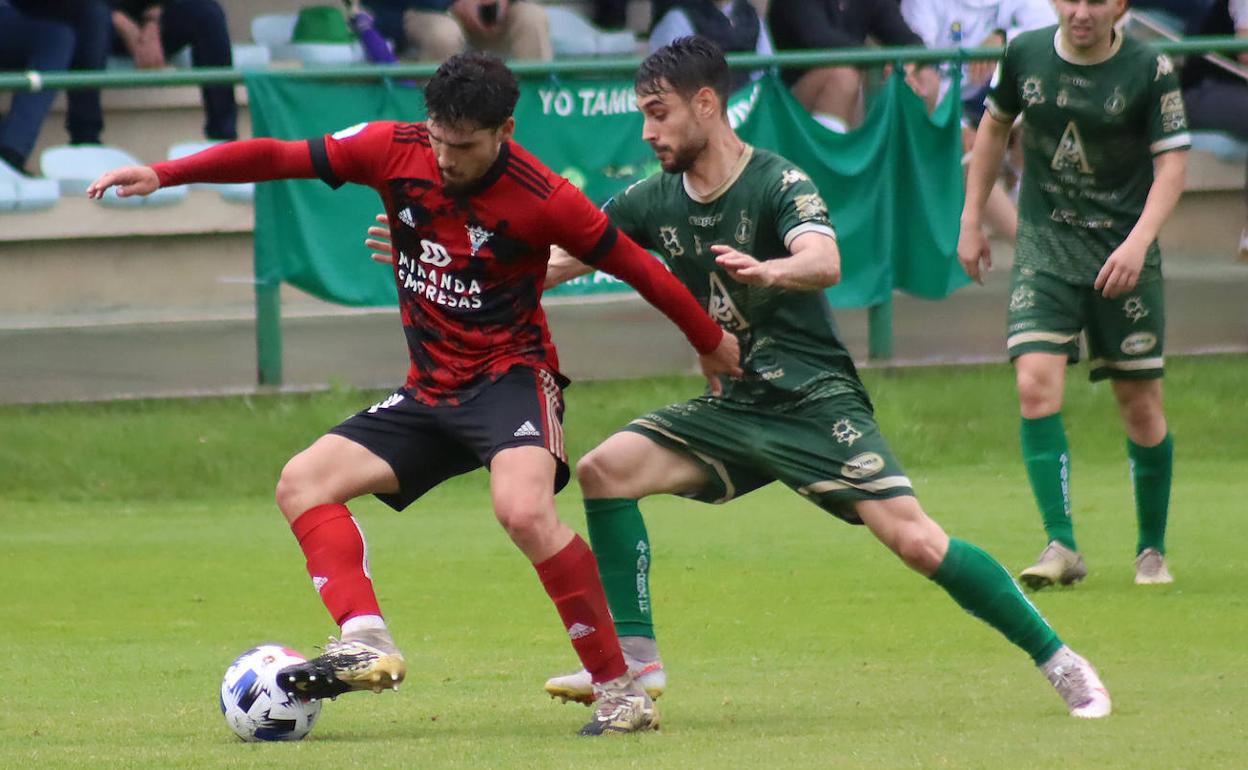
255, 708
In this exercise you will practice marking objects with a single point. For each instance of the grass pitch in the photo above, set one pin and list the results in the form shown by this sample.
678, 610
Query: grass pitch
140, 552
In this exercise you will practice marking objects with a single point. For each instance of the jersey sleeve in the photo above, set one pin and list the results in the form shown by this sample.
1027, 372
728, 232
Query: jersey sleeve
577, 226
1167, 117
356, 154
1003, 101
798, 206
626, 210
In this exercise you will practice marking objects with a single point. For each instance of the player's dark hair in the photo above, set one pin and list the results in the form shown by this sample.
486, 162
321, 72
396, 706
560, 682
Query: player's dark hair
685, 66
472, 88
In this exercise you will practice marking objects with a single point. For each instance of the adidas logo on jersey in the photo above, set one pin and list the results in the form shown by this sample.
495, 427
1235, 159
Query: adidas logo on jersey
578, 630
405, 216
527, 430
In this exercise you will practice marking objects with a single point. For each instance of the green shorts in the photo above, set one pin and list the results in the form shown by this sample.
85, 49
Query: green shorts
829, 451
1126, 335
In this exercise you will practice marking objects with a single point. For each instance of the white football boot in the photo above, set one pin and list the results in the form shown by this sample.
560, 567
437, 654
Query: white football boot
1150, 568
1056, 564
579, 686
621, 706
1078, 684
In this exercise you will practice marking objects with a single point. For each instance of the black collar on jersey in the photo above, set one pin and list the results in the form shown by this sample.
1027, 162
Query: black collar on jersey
491, 176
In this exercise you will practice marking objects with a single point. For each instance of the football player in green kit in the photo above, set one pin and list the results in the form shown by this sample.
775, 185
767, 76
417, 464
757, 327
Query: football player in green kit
749, 234
1104, 161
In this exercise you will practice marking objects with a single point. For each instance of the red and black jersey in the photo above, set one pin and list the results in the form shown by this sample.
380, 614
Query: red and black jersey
469, 265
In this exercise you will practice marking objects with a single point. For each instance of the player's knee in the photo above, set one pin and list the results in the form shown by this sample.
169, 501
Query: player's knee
524, 519
919, 551
598, 475
1039, 394
295, 488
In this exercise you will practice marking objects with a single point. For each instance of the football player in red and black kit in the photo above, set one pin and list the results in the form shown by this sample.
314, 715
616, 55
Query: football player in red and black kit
474, 217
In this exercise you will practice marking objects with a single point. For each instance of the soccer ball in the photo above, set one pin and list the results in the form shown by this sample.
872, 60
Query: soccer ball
255, 708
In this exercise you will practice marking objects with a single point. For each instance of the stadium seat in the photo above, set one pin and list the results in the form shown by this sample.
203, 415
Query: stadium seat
572, 35
1224, 147
275, 31
246, 56
75, 167
22, 193
243, 192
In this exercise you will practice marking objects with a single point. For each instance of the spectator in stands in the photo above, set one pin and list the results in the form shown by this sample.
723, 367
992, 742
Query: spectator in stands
733, 24
29, 43
435, 30
148, 31
1215, 88
611, 14
833, 94
976, 23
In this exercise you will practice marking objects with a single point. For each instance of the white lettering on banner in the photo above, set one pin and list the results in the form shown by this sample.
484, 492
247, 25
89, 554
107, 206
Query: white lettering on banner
593, 101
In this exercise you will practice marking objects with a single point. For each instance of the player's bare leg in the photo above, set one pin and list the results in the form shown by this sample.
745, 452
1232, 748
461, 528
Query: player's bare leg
522, 489
982, 587
1150, 450
312, 494
613, 477
1041, 378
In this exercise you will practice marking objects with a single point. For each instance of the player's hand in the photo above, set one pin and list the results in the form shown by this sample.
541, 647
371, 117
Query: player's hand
378, 241
980, 71
924, 81
1121, 271
742, 267
974, 252
129, 180
724, 359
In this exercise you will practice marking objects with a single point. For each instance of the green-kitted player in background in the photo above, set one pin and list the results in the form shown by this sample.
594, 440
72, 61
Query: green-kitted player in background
1104, 161
749, 234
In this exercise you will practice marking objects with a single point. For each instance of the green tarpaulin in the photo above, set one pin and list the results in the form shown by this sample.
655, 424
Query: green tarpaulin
893, 187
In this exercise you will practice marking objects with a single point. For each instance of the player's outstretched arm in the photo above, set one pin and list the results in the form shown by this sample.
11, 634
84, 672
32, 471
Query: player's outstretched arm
814, 263
986, 157
252, 160
129, 180
563, 267
1121, 270
718, 351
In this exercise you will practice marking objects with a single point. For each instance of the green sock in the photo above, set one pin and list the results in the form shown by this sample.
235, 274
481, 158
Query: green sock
618, 536
1047, 458
982, 587
1151, 468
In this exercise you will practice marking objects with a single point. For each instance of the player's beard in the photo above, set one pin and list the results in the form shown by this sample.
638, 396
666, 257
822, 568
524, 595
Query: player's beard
683, 159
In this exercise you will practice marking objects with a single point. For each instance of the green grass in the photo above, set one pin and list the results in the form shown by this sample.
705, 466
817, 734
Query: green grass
140, 551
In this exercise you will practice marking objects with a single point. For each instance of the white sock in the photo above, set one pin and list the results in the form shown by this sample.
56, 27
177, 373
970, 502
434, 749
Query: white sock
363, 623
830, 122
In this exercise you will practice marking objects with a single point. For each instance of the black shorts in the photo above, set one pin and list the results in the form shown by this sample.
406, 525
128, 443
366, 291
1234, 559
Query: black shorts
426, 445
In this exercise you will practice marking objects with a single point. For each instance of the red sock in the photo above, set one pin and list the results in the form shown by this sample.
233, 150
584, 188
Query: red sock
337, 555
571, 579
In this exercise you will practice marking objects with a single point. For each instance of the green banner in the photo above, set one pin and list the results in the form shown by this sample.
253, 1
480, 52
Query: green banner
893, 186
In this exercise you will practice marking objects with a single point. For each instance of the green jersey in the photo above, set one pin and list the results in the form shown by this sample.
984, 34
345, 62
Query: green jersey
790, 350
1091, 132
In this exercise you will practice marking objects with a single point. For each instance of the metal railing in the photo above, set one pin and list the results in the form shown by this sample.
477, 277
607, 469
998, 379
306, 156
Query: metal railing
880, 332
34, 81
